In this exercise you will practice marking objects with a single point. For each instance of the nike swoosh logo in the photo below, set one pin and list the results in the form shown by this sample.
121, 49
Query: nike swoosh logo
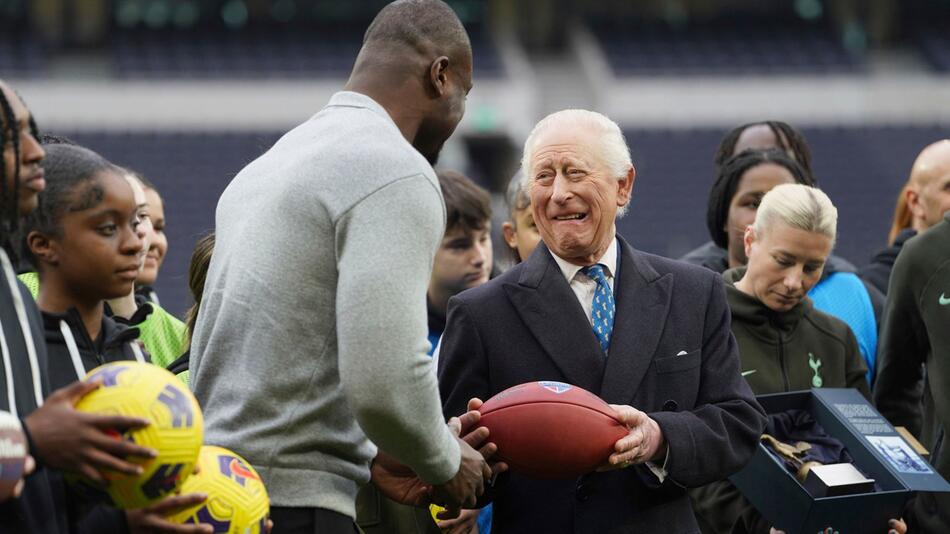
749, 372
944, 300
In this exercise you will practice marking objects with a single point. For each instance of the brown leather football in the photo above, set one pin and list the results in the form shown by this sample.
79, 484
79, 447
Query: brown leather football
13, 451
551, 430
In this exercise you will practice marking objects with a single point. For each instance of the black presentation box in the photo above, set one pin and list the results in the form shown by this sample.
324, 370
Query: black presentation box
878, 451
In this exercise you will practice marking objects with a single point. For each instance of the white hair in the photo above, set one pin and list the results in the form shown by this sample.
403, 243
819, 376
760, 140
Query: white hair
798, 206
614, 152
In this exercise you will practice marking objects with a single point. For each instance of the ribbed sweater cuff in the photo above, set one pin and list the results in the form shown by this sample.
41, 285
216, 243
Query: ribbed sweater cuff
440, 468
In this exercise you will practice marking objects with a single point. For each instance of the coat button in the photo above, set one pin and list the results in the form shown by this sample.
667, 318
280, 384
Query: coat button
583, 492
670, 406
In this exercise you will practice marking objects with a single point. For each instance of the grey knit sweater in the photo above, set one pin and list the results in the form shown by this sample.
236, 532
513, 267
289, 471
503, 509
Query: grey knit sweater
311, 340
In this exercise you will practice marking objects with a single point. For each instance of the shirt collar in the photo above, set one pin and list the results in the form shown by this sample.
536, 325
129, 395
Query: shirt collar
609, 260
359, 100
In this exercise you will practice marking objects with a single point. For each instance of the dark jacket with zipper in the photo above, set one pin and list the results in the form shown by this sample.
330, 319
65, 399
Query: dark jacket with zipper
114, 343
41, 507
916, 335
794, 350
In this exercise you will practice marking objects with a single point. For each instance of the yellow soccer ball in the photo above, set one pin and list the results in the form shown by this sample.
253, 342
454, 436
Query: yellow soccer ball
176, 430
237, 500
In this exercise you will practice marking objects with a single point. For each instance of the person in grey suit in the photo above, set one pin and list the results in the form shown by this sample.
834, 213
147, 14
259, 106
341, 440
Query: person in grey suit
647, 334
310, 345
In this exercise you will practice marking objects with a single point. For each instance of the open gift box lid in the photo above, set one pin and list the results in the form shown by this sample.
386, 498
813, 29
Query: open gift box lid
878, 450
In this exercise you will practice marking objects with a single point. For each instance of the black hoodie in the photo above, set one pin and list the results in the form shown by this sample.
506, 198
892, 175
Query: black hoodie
792, 350
70, 347
67, 340
24, 385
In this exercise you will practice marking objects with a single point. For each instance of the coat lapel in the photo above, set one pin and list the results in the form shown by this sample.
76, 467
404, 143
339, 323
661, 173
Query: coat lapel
642, 299
550, 309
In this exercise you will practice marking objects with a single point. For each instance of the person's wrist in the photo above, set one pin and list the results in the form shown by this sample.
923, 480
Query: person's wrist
657, 443
30, 442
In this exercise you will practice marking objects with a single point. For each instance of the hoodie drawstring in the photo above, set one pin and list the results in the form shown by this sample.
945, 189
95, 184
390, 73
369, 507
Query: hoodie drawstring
24, 328
77, 358
137, 351
73, 350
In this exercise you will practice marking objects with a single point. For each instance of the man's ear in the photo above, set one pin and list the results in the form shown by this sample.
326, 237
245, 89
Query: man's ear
913, 202
625, 187
438, 75
509, 234
42, 248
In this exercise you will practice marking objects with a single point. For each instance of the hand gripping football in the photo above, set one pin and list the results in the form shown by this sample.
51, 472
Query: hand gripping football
551, 430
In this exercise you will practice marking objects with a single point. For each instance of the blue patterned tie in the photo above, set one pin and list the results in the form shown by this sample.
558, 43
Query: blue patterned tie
602, 310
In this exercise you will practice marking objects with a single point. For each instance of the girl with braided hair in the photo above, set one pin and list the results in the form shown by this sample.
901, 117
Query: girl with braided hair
766, 134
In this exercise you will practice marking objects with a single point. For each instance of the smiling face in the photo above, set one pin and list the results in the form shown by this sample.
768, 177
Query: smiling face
753, 185
574, 198
31, 177
157, 241
784, 264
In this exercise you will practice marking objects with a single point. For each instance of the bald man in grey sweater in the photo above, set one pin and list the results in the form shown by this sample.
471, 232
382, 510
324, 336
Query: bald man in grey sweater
310, 345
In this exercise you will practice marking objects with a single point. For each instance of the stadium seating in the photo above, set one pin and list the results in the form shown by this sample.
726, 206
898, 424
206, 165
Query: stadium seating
861, 168
734, 47
259, 53
21, 56
934, 42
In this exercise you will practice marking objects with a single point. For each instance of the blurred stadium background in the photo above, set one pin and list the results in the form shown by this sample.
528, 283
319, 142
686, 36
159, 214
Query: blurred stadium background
188, 91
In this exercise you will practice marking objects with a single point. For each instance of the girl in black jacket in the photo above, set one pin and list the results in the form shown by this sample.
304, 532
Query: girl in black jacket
86, 240
59, 437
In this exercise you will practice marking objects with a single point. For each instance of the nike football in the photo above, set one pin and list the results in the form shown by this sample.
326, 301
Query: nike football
176, 428
551, 430
237, 500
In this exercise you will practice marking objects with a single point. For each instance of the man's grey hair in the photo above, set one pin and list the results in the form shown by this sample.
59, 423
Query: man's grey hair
614, 152
798, 206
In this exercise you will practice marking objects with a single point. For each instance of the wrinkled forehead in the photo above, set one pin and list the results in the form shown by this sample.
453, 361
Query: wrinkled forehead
556, 141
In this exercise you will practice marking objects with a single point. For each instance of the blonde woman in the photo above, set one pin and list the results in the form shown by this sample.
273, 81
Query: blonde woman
785, 344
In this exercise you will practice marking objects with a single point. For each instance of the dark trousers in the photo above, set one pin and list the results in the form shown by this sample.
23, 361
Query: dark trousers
375, 514
310, 521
